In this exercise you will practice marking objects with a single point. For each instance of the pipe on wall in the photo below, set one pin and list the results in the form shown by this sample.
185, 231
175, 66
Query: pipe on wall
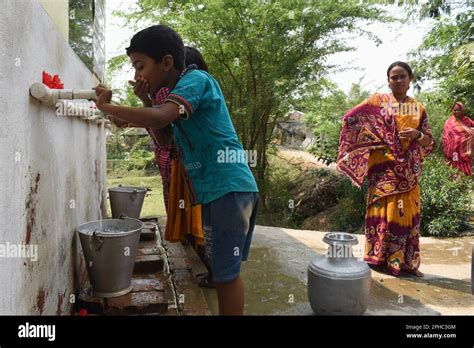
58, 97
49, 96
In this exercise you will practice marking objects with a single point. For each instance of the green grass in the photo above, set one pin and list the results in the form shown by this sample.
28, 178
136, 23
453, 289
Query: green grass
153, 204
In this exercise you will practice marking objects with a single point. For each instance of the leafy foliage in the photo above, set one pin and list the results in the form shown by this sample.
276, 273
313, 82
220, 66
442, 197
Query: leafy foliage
350, 213
447, 52
324, 107
445, 197
131, 153
261, 52
81, 27
280, 205
437, 113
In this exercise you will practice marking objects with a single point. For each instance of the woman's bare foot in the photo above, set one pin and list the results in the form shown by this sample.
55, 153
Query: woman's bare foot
381, 268
415, 273
418, 273
377, 268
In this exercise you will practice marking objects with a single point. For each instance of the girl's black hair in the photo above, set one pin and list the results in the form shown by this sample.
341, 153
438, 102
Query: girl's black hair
158, 41
401, 64
193, 56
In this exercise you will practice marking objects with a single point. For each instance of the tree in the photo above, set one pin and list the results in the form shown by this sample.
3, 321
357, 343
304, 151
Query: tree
81, 30
324, 105
262, 52
437, 112
447, 52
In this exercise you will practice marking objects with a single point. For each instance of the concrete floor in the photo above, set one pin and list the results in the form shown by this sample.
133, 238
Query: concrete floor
275, 277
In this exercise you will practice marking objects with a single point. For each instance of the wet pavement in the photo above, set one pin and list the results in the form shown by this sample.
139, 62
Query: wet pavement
275, 277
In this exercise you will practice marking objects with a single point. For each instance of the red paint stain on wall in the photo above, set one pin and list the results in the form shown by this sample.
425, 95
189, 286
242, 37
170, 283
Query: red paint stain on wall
38, 176
30, 208
40, 300
60, 302
28, 234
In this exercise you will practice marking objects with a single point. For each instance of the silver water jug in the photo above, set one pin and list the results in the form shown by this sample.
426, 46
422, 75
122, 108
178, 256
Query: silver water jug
338, 282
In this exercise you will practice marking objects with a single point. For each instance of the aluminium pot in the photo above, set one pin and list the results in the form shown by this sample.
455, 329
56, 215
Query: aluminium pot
338, 282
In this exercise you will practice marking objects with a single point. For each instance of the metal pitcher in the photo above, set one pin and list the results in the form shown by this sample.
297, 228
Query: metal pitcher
339, 283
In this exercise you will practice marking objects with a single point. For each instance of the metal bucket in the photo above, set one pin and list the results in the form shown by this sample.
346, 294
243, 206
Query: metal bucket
126, 200
110, 247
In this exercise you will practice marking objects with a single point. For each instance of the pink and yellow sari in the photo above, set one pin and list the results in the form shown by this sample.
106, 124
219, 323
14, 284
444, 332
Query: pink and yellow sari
458, 134
369, 146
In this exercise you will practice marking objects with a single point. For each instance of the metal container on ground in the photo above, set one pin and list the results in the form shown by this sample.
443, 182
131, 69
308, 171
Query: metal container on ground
110, 247
338, 282
126, 200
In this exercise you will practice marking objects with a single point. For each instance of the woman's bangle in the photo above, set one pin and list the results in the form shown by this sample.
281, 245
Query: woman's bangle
421, 136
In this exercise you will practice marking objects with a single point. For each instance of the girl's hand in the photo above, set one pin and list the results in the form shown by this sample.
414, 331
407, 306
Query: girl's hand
104, 96
118, 122
141, 88
409, 134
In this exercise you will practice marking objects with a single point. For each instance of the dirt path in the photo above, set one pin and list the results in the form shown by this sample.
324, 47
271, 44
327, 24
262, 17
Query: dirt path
303, 158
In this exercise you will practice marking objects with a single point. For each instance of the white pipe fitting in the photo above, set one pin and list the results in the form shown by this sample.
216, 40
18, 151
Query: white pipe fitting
49, 96
58, 98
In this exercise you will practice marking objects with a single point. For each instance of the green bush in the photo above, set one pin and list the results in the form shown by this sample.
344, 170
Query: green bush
140, 158
437, 116
445, 200
279, 202
350, 214
132, 153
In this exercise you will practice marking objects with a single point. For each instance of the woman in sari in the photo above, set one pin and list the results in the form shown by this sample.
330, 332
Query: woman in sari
385, 139
458, 143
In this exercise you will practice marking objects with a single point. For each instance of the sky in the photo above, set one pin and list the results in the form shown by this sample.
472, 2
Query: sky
371, 61
397, 41
118, 35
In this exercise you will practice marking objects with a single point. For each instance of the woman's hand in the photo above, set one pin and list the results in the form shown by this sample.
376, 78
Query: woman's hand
104, 96
141, 88
409, 134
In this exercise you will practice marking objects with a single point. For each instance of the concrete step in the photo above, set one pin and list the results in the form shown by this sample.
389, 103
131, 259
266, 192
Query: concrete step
190, 298
137, 303
148, 248
189, 295
149, 231
155, 292
148, 264
149, 258
151, 295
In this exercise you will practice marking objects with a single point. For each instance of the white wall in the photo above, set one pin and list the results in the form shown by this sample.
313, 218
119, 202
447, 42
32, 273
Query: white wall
45, 162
